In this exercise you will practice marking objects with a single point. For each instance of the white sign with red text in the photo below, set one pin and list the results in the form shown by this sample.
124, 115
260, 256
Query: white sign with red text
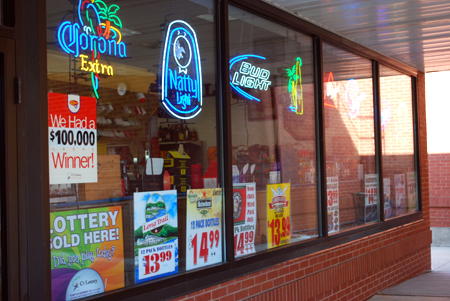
371, 197
244, 217
72, 132
333, 204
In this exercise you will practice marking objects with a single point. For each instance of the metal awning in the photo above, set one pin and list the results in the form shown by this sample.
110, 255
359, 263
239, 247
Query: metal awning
416, 32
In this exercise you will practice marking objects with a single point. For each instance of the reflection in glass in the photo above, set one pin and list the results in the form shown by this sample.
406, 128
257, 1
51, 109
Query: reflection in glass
349, 139
399, 176
273, 126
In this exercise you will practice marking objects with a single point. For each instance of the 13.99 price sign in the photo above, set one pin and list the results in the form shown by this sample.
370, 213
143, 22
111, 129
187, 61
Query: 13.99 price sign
278, 215
203, 227
157, 260
72, 132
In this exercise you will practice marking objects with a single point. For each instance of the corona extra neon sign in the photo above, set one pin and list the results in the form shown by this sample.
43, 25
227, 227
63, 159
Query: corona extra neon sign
246, 75
93, 33
181, 81
295, 87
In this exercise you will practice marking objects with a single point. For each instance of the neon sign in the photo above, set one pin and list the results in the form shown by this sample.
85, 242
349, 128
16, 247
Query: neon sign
353, 97
93, 35
248, 76
295, 79
181, 86
332, 90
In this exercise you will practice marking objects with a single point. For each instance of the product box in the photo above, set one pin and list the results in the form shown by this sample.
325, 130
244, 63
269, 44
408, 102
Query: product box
177, 164
182, 183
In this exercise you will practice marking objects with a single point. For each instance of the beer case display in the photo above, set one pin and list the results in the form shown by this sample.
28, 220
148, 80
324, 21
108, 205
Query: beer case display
179, 167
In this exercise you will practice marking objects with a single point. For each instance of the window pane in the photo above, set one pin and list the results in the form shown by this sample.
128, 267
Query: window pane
349, 140
399, 174
135, 188
273, 128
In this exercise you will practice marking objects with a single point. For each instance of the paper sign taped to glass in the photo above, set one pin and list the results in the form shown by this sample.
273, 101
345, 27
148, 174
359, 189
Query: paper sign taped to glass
155, 234
86, 252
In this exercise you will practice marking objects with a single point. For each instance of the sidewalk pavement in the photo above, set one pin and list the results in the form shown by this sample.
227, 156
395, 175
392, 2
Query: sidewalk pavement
433, 286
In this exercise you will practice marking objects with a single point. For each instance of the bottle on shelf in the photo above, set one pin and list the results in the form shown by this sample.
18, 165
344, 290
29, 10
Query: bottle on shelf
180, 132
124, 177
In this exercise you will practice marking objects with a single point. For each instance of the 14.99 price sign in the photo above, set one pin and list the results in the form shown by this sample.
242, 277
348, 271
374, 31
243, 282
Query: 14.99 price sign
203, 227
278, 215
244, 217
72, 131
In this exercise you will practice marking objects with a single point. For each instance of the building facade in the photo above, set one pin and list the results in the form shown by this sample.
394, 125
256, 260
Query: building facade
205, 150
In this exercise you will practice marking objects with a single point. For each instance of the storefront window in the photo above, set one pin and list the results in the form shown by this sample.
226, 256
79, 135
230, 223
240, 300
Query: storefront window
349, 139
274, 154
399, 174
135, 189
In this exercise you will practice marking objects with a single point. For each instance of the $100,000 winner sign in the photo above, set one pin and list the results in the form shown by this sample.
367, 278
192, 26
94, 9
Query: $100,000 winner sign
203, 227
155, 234
72, 133
86, 252
278, 215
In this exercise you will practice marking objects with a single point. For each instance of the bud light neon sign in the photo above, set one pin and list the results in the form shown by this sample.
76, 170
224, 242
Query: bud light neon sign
245, 75
181, 81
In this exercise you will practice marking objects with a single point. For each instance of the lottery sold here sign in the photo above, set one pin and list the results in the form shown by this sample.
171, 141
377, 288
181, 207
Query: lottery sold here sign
72, 133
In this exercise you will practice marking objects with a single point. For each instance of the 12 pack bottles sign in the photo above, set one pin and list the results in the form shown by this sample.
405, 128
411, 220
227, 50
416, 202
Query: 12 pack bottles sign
203, 227
86, 252
278, 215
72, 132
155, 234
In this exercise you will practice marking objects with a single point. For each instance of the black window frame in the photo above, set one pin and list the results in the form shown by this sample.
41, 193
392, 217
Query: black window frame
188, 282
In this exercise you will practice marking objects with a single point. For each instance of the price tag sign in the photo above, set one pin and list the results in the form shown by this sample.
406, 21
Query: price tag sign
203, 227
411, 181
244, 216
371, 185
278, 215
371, 197
72, 132
400, 194
333, 204
387, 198
155, 234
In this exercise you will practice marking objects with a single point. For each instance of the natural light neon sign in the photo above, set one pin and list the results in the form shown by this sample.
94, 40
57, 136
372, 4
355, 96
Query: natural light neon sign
93, 35
181, 86
248, 76
295, 87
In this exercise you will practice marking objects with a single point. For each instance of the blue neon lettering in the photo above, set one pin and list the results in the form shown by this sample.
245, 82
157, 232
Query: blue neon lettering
245, 68
71, 39
255, 72
102, 39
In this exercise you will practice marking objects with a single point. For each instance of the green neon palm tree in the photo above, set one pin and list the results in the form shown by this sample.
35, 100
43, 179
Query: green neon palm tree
109, 15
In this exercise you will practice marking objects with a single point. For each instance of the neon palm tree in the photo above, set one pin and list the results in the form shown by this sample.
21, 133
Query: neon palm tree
109, 15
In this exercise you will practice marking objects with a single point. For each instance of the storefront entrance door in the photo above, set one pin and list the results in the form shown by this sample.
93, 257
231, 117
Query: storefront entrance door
8, 173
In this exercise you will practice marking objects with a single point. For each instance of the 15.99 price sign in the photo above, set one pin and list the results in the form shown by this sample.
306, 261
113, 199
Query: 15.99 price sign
72, 132
278, 215
203, 227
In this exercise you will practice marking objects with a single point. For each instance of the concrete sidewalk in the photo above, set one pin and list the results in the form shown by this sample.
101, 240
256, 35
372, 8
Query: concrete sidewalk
433, 286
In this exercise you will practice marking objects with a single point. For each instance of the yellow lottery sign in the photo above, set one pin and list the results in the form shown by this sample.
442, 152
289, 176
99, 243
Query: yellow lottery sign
278, 215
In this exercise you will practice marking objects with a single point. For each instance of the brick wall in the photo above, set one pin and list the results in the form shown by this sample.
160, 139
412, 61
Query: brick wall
438, 148
353, 271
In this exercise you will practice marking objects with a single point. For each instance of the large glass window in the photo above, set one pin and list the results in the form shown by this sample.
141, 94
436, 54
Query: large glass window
349, 140
274, 154
399, 174
135, 187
